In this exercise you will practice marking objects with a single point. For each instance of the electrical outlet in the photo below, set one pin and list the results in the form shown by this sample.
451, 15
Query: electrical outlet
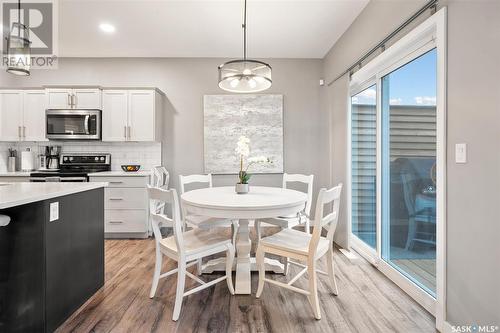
54, 211
461, 153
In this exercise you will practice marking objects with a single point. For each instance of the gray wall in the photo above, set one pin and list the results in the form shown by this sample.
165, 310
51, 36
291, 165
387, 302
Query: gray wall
185, 81
474, 188
473, 249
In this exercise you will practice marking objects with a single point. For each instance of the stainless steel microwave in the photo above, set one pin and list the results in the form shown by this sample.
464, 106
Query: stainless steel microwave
73, 124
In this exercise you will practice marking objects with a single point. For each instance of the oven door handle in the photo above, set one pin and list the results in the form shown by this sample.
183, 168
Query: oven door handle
53, 179
78, 179
44, 179
87, 124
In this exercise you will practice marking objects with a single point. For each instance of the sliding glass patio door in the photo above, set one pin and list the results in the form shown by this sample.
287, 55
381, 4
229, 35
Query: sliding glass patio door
408, 168
397, 143
393, 182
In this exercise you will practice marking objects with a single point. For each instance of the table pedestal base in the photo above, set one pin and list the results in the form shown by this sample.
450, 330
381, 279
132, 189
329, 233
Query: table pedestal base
244, 264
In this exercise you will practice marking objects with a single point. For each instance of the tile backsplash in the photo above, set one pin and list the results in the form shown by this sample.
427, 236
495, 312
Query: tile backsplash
147, 154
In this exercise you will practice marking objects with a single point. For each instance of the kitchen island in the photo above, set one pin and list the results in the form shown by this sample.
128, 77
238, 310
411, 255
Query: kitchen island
51, 252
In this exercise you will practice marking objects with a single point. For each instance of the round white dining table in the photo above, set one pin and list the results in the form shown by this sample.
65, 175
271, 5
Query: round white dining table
261, 202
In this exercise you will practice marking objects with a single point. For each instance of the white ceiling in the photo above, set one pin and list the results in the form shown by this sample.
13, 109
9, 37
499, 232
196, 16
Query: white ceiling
203, 28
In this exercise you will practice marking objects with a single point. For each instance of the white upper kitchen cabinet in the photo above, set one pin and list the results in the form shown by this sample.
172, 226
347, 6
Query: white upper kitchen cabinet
87, 99
34, 115
11, 115
59, 98
131, 115
22, 115
141, 115
114, 115
74, 98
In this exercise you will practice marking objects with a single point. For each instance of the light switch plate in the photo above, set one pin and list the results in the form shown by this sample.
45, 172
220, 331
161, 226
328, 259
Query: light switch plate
461, 153
54, 211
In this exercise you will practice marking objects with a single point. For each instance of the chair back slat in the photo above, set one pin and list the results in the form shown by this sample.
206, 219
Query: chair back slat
166, 197
160, 177
304, 179
184, 180
325, 197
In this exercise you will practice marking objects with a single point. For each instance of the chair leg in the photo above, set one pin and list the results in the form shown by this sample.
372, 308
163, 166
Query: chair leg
229, 268
259, 256
307, 226
285, 265
257, 230
157, 273
412, 231
331, 272
313, 289
199, 266
179, 294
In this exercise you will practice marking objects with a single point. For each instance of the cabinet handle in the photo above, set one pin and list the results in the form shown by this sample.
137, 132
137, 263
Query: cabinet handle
19, 132
129, 131
74, 101
24, 132
69, 100
115, 199
125, 132
115, 182
115, 222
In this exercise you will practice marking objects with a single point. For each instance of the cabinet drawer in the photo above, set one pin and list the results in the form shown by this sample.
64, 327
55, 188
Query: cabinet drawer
125, 198
123, 181
118, 221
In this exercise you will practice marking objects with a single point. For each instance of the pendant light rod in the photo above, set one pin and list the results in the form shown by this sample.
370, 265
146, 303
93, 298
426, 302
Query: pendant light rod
244, 26
19, 17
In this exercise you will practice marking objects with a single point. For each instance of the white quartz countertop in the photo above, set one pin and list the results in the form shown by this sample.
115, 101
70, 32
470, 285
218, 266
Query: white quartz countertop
16, 194
118, 173
121, 174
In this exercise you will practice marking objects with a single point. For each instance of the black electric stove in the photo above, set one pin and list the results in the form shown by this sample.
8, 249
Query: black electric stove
74, 167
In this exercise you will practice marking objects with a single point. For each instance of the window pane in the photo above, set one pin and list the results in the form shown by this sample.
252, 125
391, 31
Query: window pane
364, 164
408, 170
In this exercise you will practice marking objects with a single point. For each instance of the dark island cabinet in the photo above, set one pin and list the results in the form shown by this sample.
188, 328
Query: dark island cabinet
48, 269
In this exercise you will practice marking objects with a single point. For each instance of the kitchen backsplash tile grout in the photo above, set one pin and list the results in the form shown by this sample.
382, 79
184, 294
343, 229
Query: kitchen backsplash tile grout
147, 154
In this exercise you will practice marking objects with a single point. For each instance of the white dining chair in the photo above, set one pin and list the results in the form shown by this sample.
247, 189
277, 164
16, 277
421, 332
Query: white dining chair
305, 248
160, 178
199, 221
288, 222
186, 248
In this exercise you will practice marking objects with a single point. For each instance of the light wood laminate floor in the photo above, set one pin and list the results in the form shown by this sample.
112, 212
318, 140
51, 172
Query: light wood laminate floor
367, 301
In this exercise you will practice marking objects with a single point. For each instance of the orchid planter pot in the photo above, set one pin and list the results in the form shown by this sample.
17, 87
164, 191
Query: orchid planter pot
242, 188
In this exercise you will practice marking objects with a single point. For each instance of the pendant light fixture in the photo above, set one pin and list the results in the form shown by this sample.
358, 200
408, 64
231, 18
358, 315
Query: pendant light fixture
18, 47
245, 75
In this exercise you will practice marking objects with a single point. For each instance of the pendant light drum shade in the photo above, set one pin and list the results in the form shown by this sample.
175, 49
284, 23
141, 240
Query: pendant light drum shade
18, 48
245, 76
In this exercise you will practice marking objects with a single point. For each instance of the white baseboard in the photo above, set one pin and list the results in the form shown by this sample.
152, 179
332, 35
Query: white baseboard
446, 327
349, 254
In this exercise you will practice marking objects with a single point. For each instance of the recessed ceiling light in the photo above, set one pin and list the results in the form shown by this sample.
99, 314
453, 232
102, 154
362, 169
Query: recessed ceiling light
106, 27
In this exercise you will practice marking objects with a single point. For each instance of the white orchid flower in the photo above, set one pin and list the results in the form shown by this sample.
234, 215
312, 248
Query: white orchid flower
258, 159
243, 146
